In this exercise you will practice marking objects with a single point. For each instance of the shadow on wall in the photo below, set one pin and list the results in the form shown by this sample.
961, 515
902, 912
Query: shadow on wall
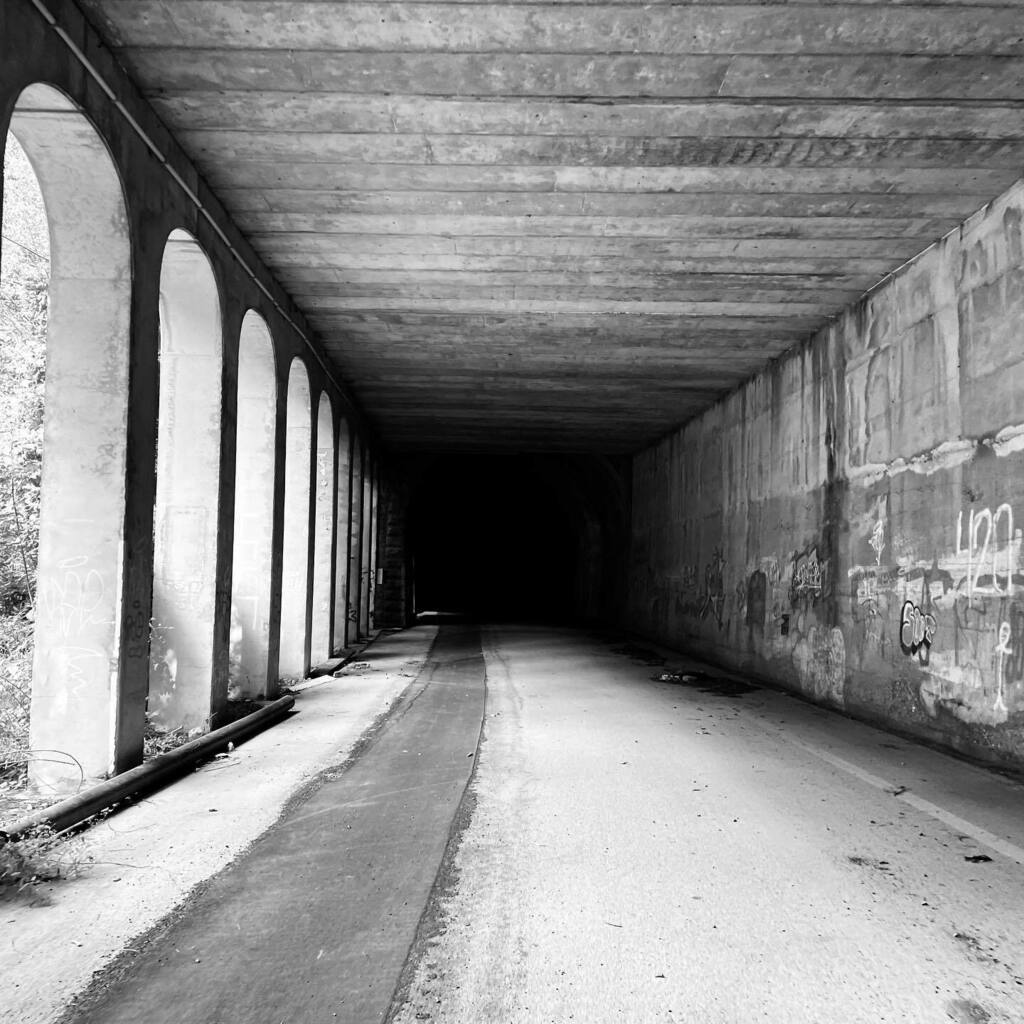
517, 537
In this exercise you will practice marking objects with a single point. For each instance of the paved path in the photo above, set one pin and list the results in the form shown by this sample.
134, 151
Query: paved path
314, 922
647, 852
631, 851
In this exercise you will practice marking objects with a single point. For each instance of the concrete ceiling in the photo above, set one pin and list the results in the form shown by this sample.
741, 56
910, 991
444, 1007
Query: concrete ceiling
572, 226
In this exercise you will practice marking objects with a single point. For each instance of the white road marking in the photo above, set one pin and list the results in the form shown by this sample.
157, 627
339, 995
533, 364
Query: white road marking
961, 825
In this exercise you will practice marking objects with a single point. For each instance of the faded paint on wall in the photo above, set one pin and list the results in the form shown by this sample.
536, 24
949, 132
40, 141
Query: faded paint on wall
850, 522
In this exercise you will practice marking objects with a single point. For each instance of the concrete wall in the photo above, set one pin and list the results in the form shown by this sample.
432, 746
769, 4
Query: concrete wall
848, 523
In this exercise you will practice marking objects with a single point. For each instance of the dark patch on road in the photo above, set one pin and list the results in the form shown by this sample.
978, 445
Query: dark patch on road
643, 655
315, 921
708, 684
967, 1011
869, 862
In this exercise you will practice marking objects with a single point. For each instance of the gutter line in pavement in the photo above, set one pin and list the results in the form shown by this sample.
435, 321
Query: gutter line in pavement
445, 881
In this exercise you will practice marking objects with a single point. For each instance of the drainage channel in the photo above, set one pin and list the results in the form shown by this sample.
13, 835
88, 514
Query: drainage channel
314, 922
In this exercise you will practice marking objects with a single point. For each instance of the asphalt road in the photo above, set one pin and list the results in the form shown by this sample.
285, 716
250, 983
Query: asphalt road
628, 850
643, 851
314, 922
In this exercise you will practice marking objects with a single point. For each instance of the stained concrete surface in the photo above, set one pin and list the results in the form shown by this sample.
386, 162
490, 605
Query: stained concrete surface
653, 851
144, 861
315, 921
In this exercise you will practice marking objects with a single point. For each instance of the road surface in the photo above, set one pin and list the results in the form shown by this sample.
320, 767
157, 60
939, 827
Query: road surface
627, 850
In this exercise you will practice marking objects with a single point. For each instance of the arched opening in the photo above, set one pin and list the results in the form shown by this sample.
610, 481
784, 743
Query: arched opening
323, 534
181, 672
355, 560
69, 559
294, 656
366, 564
342, 528
254, 510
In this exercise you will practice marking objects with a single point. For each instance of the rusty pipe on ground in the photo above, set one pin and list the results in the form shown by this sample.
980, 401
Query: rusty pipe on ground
77, 808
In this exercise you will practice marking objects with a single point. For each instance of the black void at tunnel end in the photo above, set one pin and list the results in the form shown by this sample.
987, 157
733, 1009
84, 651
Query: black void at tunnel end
315, 921
517, 537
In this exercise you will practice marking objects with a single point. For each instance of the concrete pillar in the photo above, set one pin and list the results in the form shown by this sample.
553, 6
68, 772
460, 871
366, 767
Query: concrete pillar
393, 600
254, 510
75, 698
375, 497
355, 562
342, 530
365, 567
293, 663
323, 534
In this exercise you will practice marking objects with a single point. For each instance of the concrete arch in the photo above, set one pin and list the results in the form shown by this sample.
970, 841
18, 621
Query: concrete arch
343, 534
323, 533
182, 680
294, 656
366, 555
76, 705
375, 502
254, 510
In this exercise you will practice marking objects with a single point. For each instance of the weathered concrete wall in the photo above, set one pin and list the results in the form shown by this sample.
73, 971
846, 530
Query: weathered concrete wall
846, 523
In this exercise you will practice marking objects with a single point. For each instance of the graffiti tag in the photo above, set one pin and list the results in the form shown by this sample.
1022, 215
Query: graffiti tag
917, 631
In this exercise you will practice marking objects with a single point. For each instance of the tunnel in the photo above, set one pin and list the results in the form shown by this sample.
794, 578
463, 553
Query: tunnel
602, 424
729, 361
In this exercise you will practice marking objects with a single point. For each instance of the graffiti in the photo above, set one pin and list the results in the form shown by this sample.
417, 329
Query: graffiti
870, 585
877, 541
1014, 670
903, 698
688, 578
757, 597
136, 632
713, 598
808, 576
72, 601
917, 631
1003, 650
989, 550
771, 570
183, 595
740, 600
820, 661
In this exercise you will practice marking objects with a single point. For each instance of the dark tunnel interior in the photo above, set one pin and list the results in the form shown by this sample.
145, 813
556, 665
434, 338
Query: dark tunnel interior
497, 539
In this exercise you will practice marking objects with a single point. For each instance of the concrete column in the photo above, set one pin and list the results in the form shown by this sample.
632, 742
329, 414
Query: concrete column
75, 696
254, 510
294, 574
342, 526
355, 562
393, 600
365, 568
375, 498
320, 638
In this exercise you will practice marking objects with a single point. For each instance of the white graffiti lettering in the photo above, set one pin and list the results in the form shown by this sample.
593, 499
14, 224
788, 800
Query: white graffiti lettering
917, 631
991, 551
